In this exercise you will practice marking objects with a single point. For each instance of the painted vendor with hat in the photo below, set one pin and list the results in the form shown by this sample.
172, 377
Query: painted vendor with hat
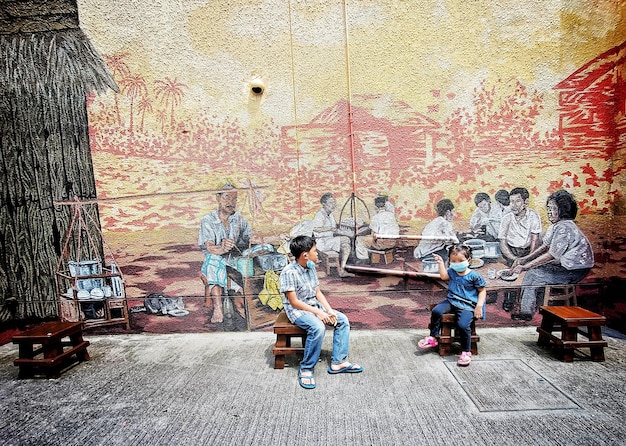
224, 238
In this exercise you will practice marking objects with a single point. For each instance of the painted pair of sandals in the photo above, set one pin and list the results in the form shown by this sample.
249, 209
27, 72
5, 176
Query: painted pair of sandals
350, 368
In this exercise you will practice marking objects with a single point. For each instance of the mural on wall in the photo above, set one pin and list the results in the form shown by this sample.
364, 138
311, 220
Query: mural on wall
362, 115
436, 155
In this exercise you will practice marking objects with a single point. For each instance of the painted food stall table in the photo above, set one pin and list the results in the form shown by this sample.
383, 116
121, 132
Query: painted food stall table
493, 283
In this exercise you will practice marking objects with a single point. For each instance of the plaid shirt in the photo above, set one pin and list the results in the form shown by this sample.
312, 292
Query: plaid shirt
304, 282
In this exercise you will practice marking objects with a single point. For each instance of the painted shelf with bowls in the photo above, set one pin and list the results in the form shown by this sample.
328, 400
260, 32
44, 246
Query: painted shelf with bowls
89, 289
92, 293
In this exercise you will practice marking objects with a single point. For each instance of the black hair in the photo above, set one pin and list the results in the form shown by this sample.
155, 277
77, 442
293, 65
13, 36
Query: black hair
379, 201
502, 197
300, 244
521, 191
461, 248
444, 206
567, 206
327, 196
481, 196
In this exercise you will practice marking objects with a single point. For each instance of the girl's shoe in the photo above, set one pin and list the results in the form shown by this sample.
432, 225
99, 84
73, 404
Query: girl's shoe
427, 343
465, 359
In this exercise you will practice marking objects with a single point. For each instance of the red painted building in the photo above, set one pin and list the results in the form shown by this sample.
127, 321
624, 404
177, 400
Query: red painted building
592, 104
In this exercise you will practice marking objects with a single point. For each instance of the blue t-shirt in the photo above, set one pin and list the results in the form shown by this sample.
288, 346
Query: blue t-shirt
463, 290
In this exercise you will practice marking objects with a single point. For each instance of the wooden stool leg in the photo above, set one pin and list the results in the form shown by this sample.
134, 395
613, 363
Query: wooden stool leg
547, 324
569, 334
445, 336
568, 354
474, 348
444, 349
595, 334
77, 339
446, 329
279, 360
474, 343
597, 354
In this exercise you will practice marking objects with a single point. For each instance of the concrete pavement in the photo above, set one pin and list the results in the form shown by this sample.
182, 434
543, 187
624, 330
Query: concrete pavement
222, 389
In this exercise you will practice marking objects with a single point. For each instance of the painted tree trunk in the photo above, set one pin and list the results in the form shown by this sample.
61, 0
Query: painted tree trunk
45, 156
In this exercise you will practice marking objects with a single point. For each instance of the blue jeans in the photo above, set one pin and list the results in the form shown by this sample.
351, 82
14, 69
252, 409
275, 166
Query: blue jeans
548, 274
464, 320
316, 329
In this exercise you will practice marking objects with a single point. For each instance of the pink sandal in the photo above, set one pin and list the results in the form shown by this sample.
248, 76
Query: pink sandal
427, 342
465, 359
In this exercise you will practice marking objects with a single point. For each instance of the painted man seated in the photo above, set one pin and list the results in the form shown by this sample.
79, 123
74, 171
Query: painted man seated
383, 222
225, 239
327, 235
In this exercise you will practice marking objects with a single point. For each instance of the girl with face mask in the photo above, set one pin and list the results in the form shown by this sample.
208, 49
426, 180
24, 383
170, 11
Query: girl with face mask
466, 298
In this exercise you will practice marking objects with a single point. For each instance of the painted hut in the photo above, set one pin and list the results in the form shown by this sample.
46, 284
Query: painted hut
592, 103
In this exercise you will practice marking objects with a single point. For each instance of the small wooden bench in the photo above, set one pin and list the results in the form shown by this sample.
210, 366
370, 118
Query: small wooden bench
450, 334
54, 352
568, 320
285, 331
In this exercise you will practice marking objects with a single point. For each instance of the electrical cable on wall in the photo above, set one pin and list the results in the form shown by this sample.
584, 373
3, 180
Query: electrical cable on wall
350, 127
295, 113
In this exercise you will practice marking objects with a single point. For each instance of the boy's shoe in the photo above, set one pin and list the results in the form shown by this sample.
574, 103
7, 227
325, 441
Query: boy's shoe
465, 359
310, 380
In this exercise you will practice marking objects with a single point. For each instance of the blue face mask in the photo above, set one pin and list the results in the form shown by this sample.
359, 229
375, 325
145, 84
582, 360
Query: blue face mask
460, 266
310, 264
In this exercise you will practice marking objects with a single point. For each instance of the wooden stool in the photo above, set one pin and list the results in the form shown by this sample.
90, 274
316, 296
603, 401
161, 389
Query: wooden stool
285, 330
50, 336
329, 259
378, 256
449, 334
566, 294
568, 321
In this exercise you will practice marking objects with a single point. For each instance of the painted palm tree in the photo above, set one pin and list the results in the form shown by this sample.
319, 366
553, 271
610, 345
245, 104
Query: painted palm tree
161, 116
144, 105
133, 87
119, 68
170, 92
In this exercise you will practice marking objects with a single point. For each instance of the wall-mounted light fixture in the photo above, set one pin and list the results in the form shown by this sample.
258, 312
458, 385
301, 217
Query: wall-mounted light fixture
257, 86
